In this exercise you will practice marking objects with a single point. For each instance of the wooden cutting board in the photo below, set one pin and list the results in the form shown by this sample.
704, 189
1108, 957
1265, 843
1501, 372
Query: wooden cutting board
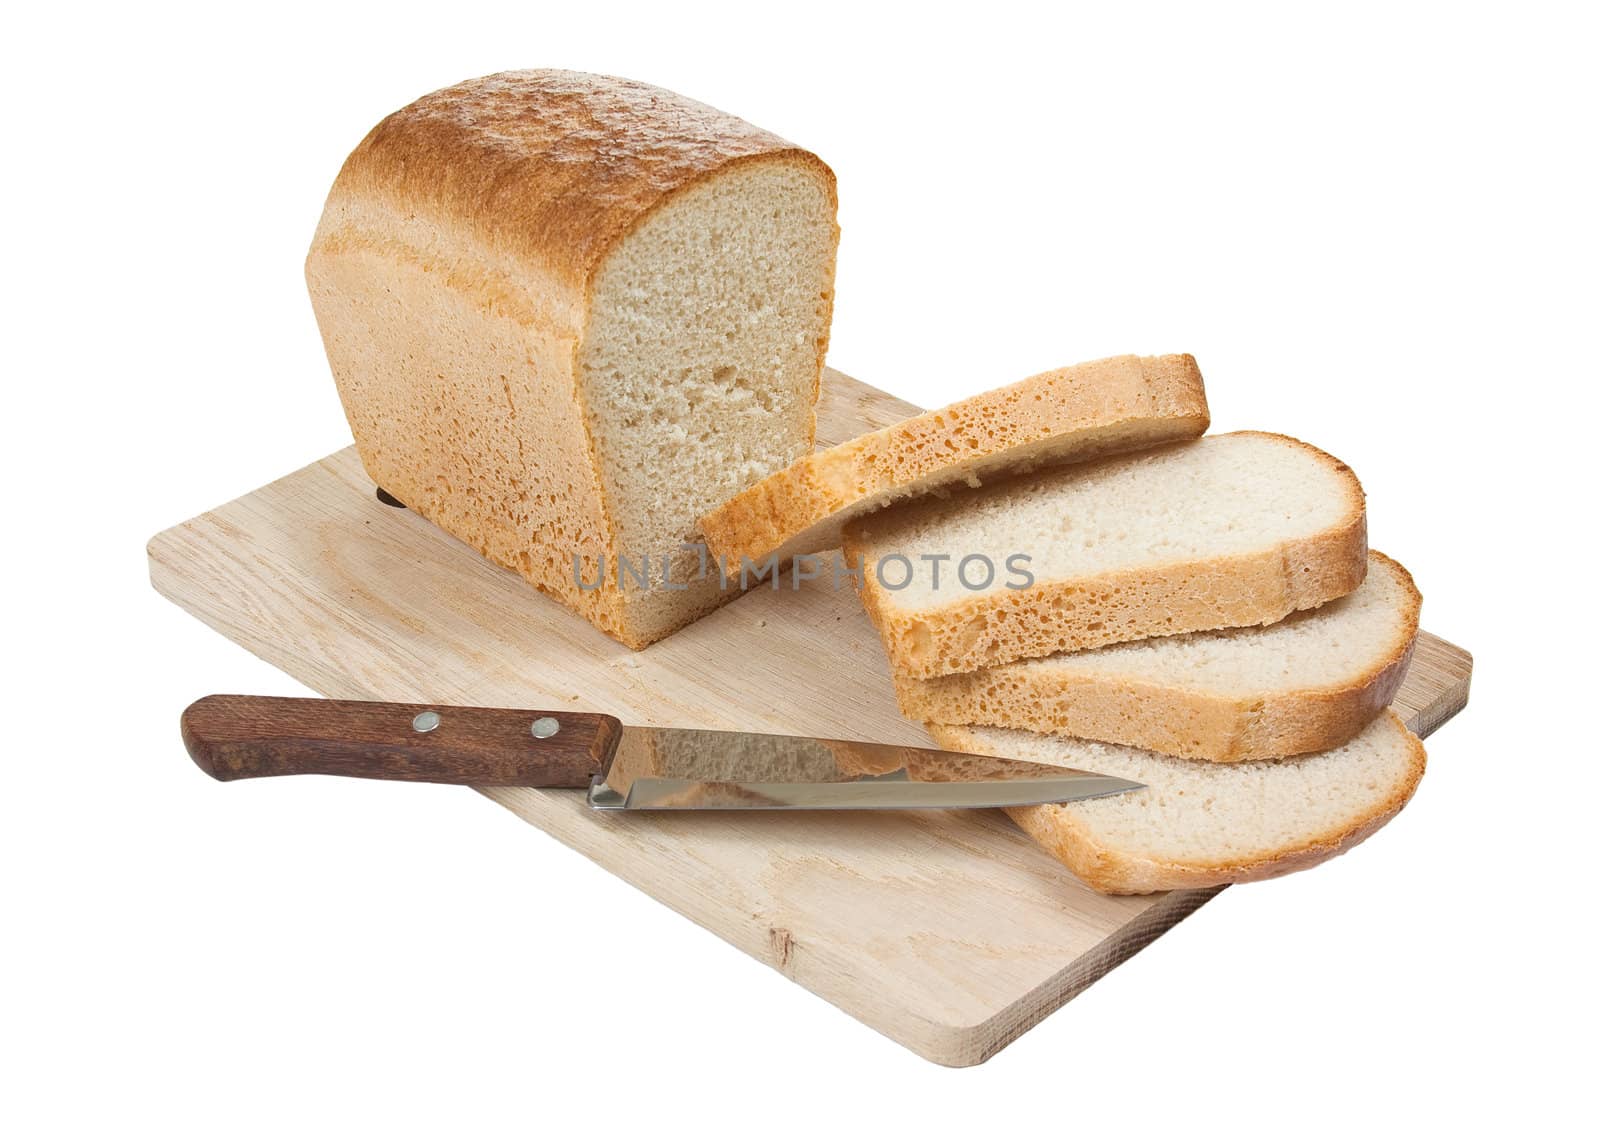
949, 932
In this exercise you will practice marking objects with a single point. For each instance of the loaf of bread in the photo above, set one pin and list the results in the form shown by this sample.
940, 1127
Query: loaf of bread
1230, 530
1309, 682
1071, 414
568, 315
1201, 824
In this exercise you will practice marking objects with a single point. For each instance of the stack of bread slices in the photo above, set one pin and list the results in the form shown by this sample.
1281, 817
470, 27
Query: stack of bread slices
1066, 571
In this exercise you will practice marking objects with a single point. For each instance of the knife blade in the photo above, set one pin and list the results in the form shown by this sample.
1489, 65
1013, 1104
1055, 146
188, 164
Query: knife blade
238, 736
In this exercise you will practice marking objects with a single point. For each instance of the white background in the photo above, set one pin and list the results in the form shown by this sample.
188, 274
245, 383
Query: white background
1373, 226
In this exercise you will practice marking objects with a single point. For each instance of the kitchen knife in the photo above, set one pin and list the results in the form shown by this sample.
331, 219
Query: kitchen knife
233, 736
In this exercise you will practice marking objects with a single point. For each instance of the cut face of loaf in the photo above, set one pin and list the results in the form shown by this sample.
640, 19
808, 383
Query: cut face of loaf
1307, 683
1071, 414
568, 315
1199, 824
701, 364
1227, 531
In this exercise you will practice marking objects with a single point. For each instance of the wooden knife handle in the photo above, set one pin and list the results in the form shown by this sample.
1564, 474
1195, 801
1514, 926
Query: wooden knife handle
232, 736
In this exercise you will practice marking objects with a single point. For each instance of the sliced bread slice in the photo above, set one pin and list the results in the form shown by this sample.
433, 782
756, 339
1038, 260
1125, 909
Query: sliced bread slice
1232, 530
1309, 682
1199, 824
1071, 414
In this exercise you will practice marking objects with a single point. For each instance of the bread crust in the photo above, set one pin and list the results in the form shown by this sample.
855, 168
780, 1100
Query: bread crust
461, 241
997, 626
1114, 871
552, 168
1071, 413
1170, 718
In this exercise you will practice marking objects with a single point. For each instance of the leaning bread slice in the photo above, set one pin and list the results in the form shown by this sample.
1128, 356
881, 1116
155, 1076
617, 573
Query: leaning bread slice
1071, 414
1232, 530
1309, 682
1199, 824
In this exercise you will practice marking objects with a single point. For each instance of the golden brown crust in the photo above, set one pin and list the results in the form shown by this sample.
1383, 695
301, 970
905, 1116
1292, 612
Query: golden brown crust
551, 167
1072, 413
993, 627
1112, 870
462, 238
1172, 719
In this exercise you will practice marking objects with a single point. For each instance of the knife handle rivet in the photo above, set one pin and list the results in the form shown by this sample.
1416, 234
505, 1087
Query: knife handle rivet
545, 727
426, 721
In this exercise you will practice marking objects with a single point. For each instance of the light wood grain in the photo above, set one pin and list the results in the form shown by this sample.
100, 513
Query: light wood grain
949, 932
